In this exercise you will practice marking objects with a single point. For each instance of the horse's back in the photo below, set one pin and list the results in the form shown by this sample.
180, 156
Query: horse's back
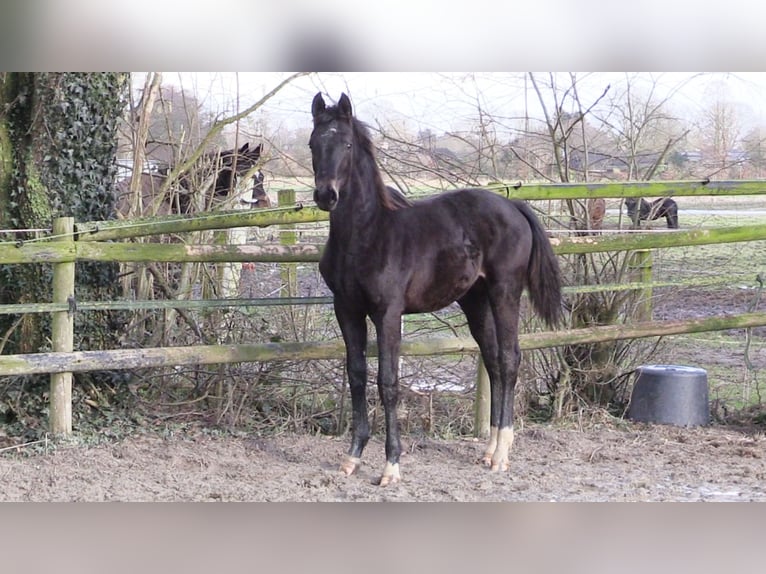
486, 217
149, 187
474, 204
502, 231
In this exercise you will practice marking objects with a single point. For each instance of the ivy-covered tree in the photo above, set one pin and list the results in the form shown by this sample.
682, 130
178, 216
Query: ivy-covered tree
58, 137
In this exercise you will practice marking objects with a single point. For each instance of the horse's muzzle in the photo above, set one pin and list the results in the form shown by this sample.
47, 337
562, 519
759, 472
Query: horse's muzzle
326, 197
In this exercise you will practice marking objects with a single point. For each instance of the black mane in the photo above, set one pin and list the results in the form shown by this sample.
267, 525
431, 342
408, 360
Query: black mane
390, 197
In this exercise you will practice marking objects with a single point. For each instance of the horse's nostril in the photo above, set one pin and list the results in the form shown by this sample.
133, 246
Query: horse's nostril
326, 198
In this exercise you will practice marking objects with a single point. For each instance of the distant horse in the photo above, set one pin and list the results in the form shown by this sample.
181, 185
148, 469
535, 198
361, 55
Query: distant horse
258, 197
230, 166
386, 256
663, 207
596, 207
216, 173
215, 181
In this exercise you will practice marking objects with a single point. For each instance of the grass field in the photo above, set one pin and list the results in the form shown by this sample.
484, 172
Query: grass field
736, 359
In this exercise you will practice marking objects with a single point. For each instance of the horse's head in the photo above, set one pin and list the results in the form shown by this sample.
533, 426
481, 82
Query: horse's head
232, 165
259, 198
331, 143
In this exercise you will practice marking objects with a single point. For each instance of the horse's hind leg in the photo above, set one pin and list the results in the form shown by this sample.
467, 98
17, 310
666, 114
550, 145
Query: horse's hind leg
354, 329
504, 297
477, 309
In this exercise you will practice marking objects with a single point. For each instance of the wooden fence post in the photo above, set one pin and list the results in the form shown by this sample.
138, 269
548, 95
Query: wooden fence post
62, 333
286, 198
481, 404
640, 265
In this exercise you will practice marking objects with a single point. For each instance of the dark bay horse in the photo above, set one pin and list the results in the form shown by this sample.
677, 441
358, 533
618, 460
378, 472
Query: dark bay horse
216, 174
386, 256
643, 211
230, 166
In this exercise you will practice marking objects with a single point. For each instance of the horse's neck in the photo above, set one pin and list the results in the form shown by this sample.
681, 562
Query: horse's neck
356, 220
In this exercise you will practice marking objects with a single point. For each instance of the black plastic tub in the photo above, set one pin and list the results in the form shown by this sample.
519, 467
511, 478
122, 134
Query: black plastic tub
670, 394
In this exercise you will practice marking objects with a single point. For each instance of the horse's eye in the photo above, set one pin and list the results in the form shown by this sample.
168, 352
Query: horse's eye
348, 146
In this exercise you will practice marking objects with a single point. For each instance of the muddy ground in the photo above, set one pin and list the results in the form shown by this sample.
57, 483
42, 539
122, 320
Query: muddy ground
628, 462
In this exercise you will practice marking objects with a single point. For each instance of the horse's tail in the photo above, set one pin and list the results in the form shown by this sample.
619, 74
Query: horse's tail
543, 273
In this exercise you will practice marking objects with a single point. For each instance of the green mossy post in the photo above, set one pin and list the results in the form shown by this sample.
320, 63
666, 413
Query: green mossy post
62, 333
640, 263
286, 197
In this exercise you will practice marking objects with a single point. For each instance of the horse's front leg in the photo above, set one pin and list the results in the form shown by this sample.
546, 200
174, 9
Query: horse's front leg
389, 334
354, 329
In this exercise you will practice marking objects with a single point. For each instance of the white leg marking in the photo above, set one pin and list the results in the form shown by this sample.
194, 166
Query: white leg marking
350, 464
390, 474
500, 457
486, 460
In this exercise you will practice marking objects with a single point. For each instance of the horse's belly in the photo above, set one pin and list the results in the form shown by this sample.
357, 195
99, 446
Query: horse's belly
445, 283
433, 301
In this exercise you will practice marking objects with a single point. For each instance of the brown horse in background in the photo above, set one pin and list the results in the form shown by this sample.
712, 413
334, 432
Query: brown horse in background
228, 179
596, 207
217, 175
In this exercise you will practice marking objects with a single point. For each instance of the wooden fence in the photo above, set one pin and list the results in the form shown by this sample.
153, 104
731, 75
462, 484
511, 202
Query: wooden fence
95, 241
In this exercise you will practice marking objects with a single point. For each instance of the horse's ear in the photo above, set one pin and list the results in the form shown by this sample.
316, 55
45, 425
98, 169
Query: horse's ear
344, 105
317, 106
243, 149
256, 152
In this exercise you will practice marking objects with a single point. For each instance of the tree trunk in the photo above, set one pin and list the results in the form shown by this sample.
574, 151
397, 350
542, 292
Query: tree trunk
57, 158
27, 207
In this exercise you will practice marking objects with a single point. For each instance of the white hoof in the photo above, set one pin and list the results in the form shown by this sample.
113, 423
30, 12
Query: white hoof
496, 455
390, 474
350, 464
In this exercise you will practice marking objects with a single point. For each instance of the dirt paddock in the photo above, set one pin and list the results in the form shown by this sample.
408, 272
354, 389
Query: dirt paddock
616, 462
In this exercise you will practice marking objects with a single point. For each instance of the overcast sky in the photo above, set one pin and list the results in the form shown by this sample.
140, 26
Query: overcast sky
445, 101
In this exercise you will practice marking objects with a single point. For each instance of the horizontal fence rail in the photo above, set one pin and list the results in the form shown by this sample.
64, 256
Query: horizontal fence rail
82, 361
180, 304
124, 229
140, 227
309, 253
133, 305
631, 189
